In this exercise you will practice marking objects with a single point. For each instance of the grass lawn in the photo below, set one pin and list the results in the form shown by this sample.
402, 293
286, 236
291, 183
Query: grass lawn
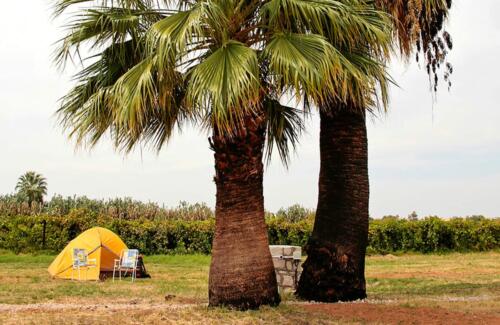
464, 286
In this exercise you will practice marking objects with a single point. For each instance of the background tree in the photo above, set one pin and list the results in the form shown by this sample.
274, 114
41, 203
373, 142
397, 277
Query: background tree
334, 269
223, 65
31, 187
413, 216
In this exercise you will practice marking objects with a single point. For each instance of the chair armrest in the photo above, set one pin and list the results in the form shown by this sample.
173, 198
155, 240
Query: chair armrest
92, 262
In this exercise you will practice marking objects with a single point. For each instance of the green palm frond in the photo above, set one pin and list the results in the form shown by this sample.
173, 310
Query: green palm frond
361, 26
284, 127
348, 26
84, 110
298, 61
368, 88
283, 14
134, 93
61, 6
93, 119
226, 83
169, 37
346, 23
98, 28
158, 125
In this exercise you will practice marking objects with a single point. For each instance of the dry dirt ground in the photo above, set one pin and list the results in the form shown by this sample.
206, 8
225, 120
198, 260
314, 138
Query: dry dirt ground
291, 313
387, 314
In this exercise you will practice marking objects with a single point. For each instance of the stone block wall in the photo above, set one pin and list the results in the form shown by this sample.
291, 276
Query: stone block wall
287, 265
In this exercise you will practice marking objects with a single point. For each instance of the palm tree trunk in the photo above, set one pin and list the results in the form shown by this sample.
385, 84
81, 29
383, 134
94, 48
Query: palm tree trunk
241, 272
335, 266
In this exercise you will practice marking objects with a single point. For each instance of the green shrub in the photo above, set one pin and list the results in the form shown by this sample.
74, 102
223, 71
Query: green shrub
433, 234
173, 236
25, 234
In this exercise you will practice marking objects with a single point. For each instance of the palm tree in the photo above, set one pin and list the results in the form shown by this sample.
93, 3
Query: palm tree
32, 187
223, 65
334, 269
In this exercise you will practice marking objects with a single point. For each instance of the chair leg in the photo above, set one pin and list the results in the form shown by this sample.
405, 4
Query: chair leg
114, 269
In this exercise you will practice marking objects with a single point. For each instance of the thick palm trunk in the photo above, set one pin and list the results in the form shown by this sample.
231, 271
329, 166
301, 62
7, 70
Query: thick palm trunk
242, 272
334, 269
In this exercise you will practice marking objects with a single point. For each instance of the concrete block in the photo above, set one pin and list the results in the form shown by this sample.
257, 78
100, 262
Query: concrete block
297, 254
276, 250
279, 264
282, 272
287, 250
287, 281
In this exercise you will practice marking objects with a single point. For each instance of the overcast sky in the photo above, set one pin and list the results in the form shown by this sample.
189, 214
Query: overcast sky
441, 159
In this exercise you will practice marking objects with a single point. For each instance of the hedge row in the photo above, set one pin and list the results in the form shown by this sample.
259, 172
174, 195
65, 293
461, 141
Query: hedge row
25, 234
433, 234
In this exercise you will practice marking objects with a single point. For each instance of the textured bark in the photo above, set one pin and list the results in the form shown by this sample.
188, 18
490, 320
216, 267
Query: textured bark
335, 266
241, 272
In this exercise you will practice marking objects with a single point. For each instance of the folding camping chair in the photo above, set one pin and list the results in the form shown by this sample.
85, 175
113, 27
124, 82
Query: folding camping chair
81, 260
127, 263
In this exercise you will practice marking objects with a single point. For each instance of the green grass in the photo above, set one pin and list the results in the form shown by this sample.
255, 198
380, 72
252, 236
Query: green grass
453, 275
25, 278
468, 282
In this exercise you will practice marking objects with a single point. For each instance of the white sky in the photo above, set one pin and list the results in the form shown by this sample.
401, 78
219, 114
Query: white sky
441, 159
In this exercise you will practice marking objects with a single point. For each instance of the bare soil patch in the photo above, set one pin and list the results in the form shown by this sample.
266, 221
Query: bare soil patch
391, 314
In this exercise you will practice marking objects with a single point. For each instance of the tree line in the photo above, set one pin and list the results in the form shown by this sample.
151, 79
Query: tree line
126, 208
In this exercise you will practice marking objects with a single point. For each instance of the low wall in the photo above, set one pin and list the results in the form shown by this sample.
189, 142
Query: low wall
287, 265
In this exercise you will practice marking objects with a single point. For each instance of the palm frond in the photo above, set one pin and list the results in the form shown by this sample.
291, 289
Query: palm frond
99, 28
284, 126
301, 63
95, 78
226, 83
346, 23
158, 125
187, 34
368, 88
134, 93
312, 15
60, 6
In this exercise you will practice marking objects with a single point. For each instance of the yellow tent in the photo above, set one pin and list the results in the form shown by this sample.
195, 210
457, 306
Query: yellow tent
102, 244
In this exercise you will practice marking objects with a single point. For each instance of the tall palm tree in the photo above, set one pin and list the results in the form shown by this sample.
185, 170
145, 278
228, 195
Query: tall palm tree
223, 65
32, 187
334, 269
